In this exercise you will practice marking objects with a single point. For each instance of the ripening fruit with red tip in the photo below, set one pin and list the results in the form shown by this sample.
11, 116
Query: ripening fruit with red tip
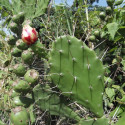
29, 35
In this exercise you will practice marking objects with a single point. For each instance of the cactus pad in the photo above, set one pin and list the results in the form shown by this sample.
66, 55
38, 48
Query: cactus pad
49, 101
77, 72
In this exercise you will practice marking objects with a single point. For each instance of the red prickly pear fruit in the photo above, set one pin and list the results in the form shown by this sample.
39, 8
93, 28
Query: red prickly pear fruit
29, 35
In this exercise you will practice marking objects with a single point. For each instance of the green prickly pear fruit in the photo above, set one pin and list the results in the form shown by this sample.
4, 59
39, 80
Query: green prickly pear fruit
102, 15
21, 45
19, 69
39, 49
27, 56
92, 38
108, 10
6, 62
16, 52
19, 116
11, 40
21, 86
13, 93
19, 19
13, 27
31, 76
97, 33
22, 101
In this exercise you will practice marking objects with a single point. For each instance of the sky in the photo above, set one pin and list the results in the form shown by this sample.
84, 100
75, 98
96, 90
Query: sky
101, 2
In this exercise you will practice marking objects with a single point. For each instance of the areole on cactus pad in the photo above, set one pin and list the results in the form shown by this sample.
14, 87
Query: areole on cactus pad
29, 35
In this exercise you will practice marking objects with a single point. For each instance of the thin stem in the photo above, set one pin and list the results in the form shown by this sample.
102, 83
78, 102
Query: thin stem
87, 14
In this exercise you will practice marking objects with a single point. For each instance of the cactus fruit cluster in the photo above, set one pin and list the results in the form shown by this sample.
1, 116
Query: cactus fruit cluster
24, 77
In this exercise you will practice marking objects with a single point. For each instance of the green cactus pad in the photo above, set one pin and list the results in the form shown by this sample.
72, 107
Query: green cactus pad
121, 120
19, 18
19, 69
19, 116
13, 27
16, 52
51, 102
27, 56
39, 49
22, 101
21, 86
31, 76
32, 114
21, 45
100, 121
78, 73
11, 40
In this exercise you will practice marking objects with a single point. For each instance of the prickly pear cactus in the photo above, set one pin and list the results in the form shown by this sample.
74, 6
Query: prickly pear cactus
100, 121
77, 72
49, 101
